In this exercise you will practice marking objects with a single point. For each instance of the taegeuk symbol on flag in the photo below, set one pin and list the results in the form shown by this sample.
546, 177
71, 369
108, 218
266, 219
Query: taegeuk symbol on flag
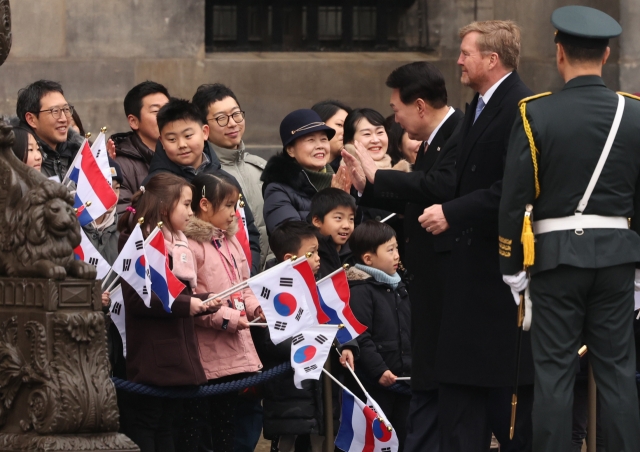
132, 266
281, 292
309, 351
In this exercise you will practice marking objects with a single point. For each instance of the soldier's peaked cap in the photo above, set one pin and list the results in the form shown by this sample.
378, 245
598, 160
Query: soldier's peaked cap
584, 26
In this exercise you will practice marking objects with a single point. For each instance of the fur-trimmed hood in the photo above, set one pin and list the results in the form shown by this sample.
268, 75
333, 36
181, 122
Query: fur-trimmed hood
203, 231
285, 170
355, 274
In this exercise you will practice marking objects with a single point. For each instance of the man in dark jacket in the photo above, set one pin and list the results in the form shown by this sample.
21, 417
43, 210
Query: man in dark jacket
476, 356
134, 150
192, 157
43, 108
419, 100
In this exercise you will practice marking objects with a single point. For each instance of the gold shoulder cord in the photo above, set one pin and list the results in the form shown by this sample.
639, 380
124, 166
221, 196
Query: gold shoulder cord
527, 237
631, 96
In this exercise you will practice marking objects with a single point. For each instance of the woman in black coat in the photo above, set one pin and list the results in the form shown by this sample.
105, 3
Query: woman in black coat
292, 177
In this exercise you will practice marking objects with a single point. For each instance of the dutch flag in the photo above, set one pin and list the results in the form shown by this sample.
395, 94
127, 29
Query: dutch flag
99, 151
304, 269
334, 300
362, 429
163, 282
94, 196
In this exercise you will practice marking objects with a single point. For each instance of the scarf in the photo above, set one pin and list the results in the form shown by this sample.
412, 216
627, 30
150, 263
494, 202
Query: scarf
184, 266
320, 179
109, 219
384, 162
380, 276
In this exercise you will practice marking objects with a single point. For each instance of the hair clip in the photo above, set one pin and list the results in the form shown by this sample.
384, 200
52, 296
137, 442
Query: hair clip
203, 187
131, 209
308, 126
142, 189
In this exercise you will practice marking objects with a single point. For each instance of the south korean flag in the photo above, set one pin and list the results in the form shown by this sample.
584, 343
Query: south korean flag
281, 292
132, 266
309, 351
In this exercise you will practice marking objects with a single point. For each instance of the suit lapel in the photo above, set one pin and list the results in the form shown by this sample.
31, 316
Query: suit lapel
473, 131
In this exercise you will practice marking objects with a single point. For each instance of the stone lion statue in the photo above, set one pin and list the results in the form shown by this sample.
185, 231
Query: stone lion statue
38, 225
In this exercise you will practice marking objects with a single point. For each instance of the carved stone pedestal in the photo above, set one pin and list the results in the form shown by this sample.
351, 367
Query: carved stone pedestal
55, 391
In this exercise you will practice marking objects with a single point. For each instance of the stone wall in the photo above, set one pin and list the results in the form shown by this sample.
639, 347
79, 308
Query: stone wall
98, 50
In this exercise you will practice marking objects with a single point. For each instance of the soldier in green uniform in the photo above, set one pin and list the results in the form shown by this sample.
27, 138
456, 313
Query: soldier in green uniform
572, 180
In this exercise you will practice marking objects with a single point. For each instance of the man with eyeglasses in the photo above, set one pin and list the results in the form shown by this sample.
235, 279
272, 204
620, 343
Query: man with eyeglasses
221, 111
43, 108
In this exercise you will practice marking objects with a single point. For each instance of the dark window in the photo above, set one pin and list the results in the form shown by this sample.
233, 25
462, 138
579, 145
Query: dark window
315, 25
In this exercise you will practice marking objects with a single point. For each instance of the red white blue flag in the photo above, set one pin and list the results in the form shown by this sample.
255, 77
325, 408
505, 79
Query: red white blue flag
94, 195
132, 266
243, 232
309, 351
311, 291
334, 300
88, 253
362, 429
99, 151
282, 293
163, 282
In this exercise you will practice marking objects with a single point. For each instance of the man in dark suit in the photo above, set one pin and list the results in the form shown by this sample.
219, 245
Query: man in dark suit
419, 100
582, 273
476, 356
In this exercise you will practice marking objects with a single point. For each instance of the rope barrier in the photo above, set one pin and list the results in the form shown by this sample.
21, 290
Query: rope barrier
190, 392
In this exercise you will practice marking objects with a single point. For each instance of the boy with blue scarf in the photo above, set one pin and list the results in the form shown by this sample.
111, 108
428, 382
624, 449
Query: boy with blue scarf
380, 301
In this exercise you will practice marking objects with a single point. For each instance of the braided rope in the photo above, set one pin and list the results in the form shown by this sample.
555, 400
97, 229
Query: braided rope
532, 145
190, 392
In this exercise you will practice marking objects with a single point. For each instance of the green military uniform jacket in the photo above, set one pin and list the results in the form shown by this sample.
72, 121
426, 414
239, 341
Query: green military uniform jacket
569, 130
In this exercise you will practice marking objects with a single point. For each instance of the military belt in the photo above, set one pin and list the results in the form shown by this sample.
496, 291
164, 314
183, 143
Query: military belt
579, 223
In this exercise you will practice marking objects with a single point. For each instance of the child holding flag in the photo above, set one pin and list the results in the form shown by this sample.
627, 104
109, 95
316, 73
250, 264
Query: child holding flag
162, 347
380, 301
290, 412
224, 338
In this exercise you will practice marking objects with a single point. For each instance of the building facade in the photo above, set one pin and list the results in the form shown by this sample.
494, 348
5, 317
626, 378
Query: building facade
277, 55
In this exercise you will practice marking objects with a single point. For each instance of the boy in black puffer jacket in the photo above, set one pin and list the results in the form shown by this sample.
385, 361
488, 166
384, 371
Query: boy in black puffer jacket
380, 301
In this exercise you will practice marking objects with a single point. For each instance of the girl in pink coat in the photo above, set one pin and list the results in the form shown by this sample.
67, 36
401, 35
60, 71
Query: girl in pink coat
226, 349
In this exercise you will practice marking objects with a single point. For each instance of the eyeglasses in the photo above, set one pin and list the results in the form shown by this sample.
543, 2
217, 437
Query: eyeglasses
223, 120
56, 112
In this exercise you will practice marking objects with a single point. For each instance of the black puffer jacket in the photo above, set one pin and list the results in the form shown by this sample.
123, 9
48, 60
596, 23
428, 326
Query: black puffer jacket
386, 344
287, 409
160, 163
287, 191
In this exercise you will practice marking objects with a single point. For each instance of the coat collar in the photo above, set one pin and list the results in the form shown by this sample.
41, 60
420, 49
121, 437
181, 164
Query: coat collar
472, 131
229, 156
584, 80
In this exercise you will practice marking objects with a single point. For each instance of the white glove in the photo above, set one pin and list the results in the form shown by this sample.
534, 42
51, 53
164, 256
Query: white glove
528, 312
518, 283
636, 282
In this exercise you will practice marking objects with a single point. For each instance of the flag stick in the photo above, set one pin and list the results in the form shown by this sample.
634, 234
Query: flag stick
113, 283
354, 375
403, 378
255, 320
364, 390
244, 284
344, 267
335, 380
387, 218
315, 326
104, 280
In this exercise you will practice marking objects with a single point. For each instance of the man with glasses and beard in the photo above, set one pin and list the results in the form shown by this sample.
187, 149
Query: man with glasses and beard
43, 108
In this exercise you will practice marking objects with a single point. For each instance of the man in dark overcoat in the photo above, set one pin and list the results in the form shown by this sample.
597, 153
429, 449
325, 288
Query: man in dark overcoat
419, 101
573, 166
476, 356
